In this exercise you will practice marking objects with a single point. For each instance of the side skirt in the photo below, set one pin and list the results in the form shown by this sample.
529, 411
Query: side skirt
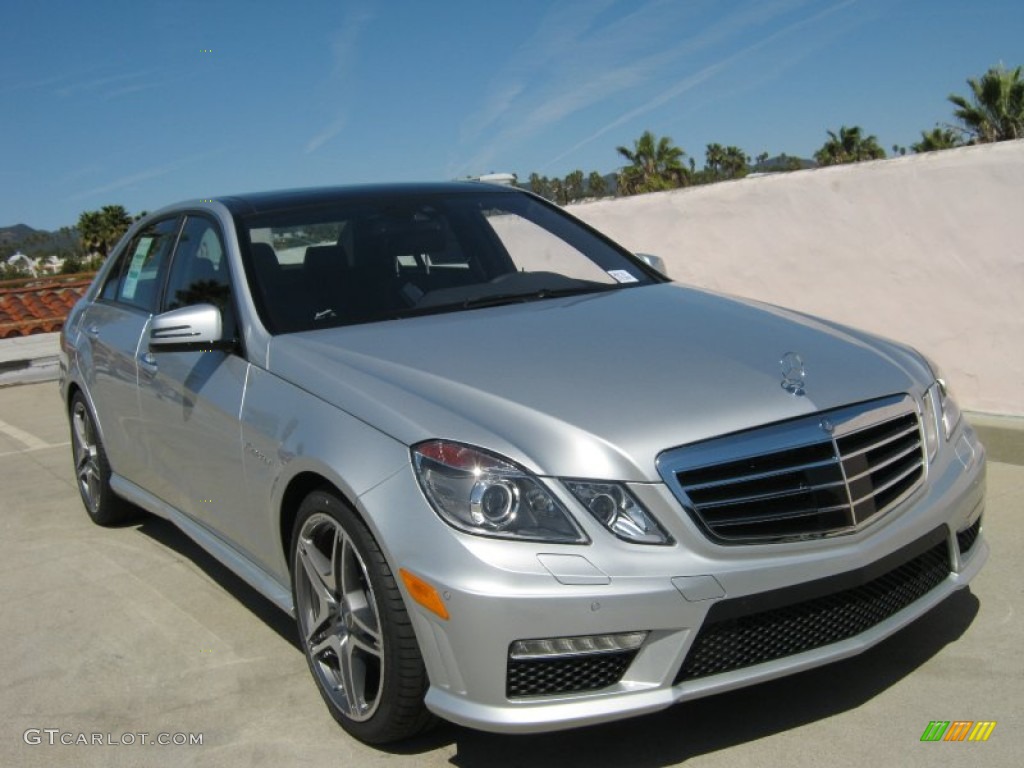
217, 547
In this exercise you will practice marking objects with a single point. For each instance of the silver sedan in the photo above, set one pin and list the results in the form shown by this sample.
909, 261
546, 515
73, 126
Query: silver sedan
500, 470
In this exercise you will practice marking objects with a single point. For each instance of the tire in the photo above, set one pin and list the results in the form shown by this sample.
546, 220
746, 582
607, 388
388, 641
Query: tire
92, 470
353, 626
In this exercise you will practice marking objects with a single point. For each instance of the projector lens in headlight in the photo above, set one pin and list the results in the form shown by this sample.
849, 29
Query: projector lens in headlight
479, 492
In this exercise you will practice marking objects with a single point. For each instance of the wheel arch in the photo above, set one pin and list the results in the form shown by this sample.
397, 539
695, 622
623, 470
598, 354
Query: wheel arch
298, 488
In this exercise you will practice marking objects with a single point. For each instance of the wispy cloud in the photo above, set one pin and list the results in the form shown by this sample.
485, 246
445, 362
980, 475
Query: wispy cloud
698, 78
581, 58
29, 85
143, 175
102, 83
344, 47
126, 181
328, 133
128, 89
563, 28
79, 173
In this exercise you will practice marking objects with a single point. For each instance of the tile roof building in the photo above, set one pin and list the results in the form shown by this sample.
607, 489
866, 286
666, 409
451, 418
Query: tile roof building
38, 306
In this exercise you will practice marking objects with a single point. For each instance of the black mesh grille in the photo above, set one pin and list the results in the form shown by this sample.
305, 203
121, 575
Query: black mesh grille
544, 677
737, 641
814, 485
965, 539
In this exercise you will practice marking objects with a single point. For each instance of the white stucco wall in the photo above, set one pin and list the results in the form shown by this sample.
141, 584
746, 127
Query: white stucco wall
927, 249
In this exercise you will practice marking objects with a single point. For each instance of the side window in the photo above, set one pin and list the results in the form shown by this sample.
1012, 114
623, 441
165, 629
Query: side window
199, 271
136, 279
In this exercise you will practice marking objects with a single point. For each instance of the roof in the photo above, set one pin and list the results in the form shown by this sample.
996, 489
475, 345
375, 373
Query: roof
258, 202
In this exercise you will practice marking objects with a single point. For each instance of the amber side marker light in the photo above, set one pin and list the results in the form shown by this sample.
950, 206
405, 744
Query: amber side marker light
423, 593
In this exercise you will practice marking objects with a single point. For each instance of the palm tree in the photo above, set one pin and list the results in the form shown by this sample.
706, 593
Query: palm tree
655, 164
596, 186
90, 233
714, 154
724, 163
848, 146
100, 230
996, 112
115, 223
540, 185
937, 138
573, 185
735, 162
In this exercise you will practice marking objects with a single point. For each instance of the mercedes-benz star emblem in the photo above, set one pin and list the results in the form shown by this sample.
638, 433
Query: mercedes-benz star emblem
793, 373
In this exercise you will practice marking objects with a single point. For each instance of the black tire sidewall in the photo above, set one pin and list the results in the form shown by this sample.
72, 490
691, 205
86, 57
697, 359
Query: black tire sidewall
398, 714
110, 508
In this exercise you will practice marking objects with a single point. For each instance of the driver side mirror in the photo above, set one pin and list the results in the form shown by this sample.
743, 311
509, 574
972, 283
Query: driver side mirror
195, 328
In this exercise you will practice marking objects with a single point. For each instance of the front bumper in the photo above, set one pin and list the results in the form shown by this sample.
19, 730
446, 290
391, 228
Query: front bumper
497, 592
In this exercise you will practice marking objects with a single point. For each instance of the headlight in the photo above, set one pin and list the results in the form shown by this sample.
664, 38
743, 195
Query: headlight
612, 505
481, 493
948, 408
941, 413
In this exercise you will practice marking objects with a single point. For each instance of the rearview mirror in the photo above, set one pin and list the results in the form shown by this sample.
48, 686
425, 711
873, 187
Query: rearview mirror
197, 327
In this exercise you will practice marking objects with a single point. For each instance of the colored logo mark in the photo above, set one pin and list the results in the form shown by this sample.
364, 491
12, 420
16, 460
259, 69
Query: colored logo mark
958, 730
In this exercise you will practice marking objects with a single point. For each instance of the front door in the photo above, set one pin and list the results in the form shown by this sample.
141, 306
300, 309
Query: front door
190, 401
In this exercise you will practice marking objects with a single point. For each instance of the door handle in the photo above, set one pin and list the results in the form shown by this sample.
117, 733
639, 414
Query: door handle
147, 362
93, 331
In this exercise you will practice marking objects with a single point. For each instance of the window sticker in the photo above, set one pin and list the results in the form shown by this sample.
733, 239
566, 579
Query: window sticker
622, 276
135, 268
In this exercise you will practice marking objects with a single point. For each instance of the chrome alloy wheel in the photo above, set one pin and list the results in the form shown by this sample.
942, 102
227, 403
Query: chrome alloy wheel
339, 619
87, 457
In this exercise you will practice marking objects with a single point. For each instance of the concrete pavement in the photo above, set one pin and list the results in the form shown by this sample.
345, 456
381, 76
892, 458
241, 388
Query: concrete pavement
135, 630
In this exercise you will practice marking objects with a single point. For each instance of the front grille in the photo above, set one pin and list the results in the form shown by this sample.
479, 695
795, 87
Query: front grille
820, 475
736, 634
965, 539
569, 674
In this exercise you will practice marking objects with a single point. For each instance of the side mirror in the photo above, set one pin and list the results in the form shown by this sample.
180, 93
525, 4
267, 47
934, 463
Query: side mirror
198, 327
653, 261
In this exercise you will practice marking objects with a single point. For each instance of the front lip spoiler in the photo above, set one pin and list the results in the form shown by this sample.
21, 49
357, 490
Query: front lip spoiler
629, 700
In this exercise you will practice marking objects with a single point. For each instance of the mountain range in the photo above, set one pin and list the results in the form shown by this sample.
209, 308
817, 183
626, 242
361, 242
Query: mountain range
36, 242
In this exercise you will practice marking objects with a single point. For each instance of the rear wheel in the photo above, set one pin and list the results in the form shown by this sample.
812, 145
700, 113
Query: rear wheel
353, 625
92, 471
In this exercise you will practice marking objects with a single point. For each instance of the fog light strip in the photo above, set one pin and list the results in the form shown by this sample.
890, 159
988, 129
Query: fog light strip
554, 647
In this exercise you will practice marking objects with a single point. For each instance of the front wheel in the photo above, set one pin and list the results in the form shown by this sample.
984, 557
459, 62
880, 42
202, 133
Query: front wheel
353, 625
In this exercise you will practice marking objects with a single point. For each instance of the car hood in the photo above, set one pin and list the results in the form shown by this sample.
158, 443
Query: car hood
591, 386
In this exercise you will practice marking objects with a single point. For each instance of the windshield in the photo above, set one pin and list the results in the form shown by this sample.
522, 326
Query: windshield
397, 256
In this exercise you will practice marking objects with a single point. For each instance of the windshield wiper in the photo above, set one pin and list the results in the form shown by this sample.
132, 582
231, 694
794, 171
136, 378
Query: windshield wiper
496, 300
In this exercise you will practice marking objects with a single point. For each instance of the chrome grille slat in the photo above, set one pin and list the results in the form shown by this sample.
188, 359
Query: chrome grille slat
892, 460
820, 475
893, 439
886, 486
763, 475
767, 496
781, 516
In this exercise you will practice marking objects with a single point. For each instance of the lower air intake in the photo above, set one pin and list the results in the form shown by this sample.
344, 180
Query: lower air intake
736, 634
571, 674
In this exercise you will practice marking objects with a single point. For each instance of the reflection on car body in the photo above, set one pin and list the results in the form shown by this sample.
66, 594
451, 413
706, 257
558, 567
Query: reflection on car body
502, 471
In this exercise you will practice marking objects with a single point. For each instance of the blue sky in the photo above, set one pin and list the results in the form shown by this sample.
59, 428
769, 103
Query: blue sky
143, 103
